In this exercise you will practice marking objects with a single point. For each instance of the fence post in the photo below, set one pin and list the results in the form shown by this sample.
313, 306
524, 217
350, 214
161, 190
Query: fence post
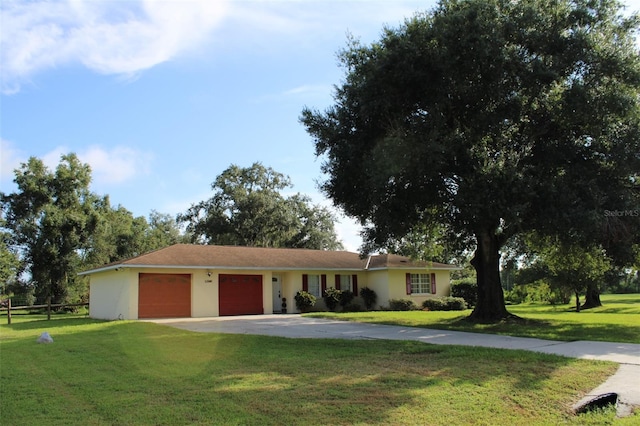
49, 308
9, 311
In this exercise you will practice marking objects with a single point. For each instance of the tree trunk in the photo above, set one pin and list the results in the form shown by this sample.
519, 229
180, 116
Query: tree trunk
486, 261
577, 302
592, 298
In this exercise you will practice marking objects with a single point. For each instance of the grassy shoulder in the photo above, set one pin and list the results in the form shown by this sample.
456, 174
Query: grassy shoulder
618, 320
127, 372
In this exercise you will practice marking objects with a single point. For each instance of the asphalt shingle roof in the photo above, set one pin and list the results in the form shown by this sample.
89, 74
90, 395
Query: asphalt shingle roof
240, 257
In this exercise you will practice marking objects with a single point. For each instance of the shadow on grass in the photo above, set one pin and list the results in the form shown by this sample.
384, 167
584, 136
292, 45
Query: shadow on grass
614, 310
357, 381
631, 299
543, 329
143, 373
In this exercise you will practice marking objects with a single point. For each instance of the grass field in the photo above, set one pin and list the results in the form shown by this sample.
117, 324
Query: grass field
618, 320
128, 372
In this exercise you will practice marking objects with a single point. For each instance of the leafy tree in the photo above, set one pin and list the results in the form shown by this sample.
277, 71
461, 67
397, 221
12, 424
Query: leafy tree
313, 225
578, 268
492, 118
9, 263
420, 243
120, 235
248, 209
50, 220
163, 231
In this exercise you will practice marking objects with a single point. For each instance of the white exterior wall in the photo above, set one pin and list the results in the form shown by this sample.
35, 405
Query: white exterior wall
204, 293
391, 284
443, 283
292, 283
113, 295
398, 287
377, 281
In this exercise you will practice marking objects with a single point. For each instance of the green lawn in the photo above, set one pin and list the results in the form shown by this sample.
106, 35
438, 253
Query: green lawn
128, 372
618, 320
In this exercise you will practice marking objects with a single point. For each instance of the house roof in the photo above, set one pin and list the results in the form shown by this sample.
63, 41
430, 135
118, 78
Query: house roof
394, 261
240, 257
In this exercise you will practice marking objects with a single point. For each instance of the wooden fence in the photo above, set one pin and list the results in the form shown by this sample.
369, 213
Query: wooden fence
10, 308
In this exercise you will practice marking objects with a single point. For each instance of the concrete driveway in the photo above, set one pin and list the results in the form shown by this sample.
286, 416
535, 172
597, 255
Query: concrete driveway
626, 381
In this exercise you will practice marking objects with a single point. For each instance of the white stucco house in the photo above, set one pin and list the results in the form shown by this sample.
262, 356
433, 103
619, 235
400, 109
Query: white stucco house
186, 280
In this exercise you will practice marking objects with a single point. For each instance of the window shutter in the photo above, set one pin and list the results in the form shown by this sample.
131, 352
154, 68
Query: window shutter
323, 280
408, 282
337, 282
354, 284
433, 283
305, 282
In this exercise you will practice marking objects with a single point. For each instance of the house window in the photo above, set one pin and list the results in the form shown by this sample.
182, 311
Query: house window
345, 283
420, 284
314, 285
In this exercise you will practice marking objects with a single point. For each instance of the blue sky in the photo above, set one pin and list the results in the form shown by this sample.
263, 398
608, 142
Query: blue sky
159, 97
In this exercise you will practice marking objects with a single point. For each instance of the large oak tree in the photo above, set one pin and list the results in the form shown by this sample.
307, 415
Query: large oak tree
248, 209
49, 221
492, 117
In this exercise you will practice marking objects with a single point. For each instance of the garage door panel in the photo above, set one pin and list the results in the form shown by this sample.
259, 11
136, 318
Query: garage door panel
240, 294
164, 295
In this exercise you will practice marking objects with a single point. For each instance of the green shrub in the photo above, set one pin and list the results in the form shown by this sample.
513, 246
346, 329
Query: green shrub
352, 307
516, 295
535, 292
346, 297
445, 304
369, 297
331, 298
402, 305
305, 301
466, 288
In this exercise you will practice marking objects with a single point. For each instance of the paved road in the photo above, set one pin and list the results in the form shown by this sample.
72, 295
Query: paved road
626, 381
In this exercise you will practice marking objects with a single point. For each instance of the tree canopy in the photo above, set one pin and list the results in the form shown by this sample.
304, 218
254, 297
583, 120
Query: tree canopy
53, 226
50, 220
492, 118
249, 209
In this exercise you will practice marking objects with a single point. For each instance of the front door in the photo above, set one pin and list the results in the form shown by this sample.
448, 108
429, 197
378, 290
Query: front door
277, 296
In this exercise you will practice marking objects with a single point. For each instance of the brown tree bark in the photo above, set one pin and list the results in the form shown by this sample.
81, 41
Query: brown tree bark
486, 261
592, 297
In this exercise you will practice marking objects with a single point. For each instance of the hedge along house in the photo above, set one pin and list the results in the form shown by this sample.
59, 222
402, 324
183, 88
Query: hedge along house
201, 281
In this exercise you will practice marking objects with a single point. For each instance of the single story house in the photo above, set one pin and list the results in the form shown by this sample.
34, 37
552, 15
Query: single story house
187, 280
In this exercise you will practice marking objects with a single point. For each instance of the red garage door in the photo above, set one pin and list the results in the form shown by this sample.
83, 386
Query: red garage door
240, 294
164, 295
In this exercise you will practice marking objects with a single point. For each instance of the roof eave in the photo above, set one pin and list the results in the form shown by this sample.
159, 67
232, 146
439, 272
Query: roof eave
232, 268
413, 268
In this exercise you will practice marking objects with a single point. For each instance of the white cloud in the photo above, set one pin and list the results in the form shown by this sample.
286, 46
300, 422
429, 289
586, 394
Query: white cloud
10, 159
313, 19
117, 165
110, 37
112, 166
52, 158
308, 89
